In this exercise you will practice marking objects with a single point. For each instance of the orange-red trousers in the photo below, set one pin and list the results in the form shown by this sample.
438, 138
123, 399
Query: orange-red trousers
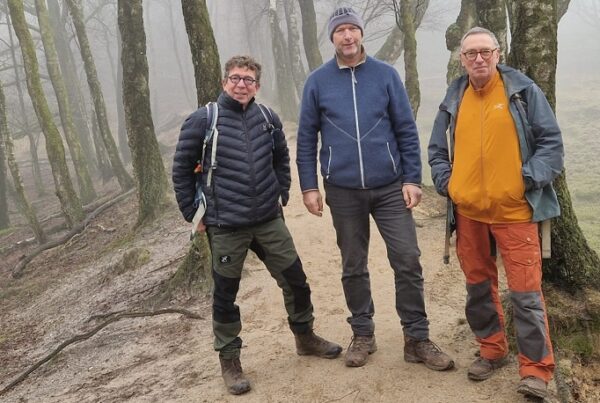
518, 244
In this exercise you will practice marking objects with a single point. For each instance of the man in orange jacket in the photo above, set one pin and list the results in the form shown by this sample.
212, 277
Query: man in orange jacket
497, 167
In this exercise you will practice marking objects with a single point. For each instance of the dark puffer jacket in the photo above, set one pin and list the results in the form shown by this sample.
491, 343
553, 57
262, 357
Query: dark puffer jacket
253, 166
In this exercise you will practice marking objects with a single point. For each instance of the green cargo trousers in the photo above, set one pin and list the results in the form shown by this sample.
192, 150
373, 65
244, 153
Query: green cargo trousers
229, 248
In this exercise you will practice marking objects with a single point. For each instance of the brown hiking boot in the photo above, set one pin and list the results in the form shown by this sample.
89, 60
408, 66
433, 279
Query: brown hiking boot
233, 376
482, 368
533, 386
359, 350
311, 344
428, 353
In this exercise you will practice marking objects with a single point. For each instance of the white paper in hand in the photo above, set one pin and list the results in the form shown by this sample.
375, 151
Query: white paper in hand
199, 214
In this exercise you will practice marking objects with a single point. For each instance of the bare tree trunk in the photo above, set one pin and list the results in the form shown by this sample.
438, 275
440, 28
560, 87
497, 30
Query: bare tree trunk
101, 155
4, 218
534, 51
6, 149
205, 55
118, 169
410, 55
86, 189
35, 163
121, 129
182, 73
155, 104
393, 46
295, 58
70, 203
309, 34
71, 78
286, 94
147, 161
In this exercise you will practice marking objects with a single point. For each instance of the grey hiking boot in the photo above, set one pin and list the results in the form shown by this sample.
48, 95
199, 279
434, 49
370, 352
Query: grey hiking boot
482, 368
359, 350
533, 386
311, 344
428, 353
234, 376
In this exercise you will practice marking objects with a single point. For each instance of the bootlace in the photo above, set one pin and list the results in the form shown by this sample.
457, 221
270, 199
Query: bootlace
359, 343
430, 347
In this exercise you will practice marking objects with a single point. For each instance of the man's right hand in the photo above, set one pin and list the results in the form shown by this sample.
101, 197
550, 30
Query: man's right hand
313, 202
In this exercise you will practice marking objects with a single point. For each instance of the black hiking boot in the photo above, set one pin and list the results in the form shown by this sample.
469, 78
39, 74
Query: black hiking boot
234, 376
311, 344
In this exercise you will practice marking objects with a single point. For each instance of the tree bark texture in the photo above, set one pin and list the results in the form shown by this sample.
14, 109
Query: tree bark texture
147, 161
491, 14
118, 169
121, 129
7, 154
205, 55
295, 56
410, 55
309, 34
71, 78
393, 46
4, 218
86, 189
286, 95
35, 163
70, 203
534, 51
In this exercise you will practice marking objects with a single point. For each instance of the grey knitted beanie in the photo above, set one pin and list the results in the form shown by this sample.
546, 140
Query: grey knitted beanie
343, 15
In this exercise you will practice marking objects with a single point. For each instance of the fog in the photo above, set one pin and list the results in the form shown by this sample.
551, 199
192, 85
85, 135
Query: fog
172, 84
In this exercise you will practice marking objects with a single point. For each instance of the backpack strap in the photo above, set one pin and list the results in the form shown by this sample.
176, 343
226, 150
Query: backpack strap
270, 125
212, 133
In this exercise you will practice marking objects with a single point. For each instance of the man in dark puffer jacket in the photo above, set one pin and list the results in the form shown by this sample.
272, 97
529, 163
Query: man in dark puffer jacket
251, 174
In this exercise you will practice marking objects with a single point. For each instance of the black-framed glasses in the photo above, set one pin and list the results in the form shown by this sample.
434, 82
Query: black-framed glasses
247, 80
486, 54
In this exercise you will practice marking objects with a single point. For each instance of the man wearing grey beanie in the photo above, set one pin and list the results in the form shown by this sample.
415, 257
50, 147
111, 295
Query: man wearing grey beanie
371, 166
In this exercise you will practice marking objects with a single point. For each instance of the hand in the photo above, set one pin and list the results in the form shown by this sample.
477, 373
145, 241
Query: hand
201, 227
412, 195
313, 202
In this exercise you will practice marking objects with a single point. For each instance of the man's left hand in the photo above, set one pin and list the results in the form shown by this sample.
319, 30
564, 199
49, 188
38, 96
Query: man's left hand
412, 195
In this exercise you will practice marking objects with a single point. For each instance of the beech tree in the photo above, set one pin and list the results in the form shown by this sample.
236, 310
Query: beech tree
70, 203
86, 189
147, 161
7, 155
118, 169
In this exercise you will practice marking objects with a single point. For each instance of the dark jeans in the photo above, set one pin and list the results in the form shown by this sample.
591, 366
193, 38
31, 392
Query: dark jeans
350, 209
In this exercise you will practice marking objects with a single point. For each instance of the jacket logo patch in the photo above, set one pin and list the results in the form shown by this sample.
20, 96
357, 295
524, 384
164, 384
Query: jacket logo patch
225, 259
499, 106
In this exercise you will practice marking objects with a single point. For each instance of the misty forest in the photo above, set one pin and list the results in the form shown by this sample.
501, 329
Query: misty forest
103, 297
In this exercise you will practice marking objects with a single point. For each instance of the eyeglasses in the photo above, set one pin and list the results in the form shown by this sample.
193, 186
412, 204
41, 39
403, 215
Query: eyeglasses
486, 54
247, 80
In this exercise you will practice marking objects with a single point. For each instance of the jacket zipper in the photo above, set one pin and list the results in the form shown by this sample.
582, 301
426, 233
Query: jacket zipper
329, 162
360, 157
250, 160
391, 157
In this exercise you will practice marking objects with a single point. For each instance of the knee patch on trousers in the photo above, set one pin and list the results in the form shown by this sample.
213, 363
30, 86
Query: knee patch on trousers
224, 308
530, 324
481, 310
295, 277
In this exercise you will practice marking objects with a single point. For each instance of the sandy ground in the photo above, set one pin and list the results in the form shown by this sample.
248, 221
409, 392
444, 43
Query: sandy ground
169, 358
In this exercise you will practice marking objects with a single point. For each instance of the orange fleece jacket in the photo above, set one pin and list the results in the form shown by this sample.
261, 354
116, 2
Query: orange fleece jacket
486, 182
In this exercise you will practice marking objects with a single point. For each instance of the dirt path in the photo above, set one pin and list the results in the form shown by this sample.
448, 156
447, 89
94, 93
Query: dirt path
169, 358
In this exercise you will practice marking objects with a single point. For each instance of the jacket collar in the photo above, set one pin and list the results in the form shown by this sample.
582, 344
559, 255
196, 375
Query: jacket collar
226, 101
514, 82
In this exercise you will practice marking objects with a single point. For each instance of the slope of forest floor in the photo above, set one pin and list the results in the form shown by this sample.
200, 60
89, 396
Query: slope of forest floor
70, 289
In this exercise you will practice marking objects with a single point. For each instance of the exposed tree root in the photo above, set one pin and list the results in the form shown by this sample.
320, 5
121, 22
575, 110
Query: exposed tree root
17, 272
84, 336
